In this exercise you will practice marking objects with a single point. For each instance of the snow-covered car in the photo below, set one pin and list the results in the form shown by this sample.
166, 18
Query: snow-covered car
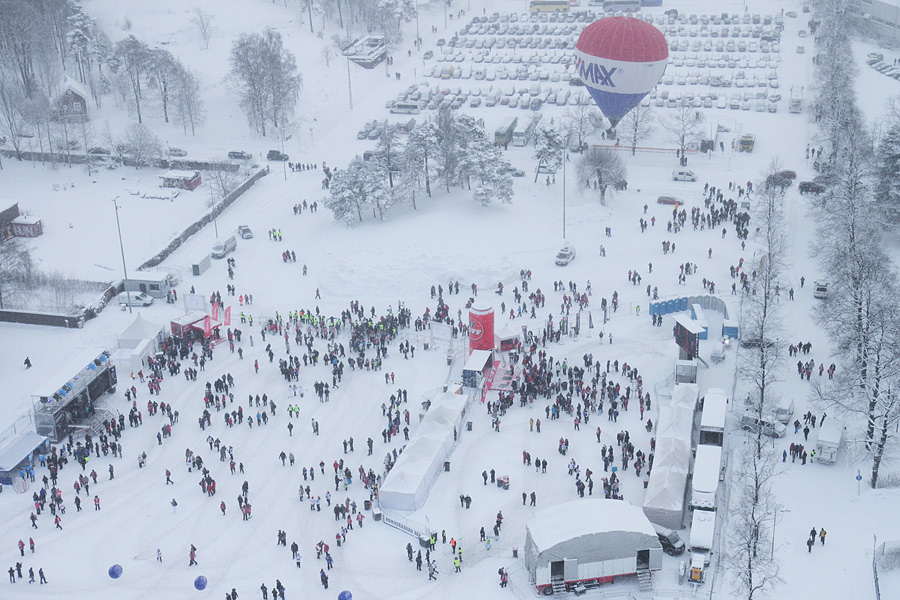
239, 155
245, 232
801, 49
428, 54
565, 255
176, 152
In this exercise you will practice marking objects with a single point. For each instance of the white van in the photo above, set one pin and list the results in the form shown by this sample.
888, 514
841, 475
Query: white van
134, 299
684, 175
224, 247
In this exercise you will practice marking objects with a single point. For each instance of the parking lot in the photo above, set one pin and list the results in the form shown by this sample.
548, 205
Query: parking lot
526, 62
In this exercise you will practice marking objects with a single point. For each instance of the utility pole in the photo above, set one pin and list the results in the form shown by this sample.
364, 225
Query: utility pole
349, 85
122, 249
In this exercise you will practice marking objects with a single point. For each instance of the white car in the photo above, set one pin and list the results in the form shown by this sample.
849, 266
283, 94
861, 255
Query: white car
134, 299
565, 255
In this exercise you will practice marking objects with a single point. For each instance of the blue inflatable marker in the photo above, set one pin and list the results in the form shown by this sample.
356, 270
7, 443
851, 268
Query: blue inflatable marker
345, 595
115, 571
200, 583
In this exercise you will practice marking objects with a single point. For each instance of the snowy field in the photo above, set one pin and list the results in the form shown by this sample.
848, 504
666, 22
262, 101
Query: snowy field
382, 264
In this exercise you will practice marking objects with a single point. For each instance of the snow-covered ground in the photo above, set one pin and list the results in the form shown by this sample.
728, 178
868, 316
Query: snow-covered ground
449, 238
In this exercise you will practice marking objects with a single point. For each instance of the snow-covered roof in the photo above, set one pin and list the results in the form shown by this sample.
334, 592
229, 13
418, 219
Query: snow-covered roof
563, 522
665, 490
19, 447
685, 394
70, 84
715, 406
26, 220
140, 329
79, 361
477, 360
175, 174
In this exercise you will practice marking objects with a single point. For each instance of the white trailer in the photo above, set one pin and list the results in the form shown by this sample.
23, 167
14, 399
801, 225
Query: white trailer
830, 437
703, 529
712, 419
705, 480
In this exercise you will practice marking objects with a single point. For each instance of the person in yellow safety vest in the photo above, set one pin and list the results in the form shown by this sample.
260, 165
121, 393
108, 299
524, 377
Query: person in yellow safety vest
456, 564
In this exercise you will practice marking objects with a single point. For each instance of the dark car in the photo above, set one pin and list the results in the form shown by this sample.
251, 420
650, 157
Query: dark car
98, 151
276, 155
668, 200
778, 180
787, 174
239, 155
754, 342
671, 542
811, 187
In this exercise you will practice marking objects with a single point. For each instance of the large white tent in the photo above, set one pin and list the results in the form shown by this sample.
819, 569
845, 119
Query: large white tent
664, 498
407, 485
136, 343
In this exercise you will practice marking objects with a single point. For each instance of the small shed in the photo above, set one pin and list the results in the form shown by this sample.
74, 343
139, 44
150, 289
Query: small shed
27, 226
182, 180
477, 367
72, 101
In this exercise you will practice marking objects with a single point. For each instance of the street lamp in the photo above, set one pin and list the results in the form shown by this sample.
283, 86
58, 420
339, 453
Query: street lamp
122, 249
778, 511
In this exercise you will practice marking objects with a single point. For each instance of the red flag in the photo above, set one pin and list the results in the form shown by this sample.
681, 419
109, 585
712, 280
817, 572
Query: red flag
227, 316
215, 311
207, 328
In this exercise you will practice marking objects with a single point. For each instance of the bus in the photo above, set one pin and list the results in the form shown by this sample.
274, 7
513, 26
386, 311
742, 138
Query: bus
548, 5
648, 3
504, 134
405, 108
622, 5
525, 131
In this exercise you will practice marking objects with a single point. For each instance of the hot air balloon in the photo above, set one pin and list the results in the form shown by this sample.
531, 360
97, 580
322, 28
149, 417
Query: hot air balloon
620, 59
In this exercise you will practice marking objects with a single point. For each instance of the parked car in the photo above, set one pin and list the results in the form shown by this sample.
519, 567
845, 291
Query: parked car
668, 200
565, 255
134, 299
239, 155
176, 152
245, 232
428, 54
811, 187
276, 155
98, 151
684, 175
770, 427
671, 542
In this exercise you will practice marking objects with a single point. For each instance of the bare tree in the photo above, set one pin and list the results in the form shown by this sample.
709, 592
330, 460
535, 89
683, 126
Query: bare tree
762, 326
264, 74
223, 177
188, 104
202, 20
637, 125
584, 120
753, 511
12, 118
141, 145
683, 127
15, 271
133, 55
162, 68
327, 54
601, 167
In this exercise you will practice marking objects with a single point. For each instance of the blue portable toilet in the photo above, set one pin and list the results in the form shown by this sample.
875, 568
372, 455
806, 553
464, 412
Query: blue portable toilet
730, 329
652, 308
682, 304
670, 306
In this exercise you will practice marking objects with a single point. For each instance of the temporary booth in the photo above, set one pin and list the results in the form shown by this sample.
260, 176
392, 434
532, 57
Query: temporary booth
406, 487
17, 452
139, 341
712, 419
589, 542
664, 499
477, 367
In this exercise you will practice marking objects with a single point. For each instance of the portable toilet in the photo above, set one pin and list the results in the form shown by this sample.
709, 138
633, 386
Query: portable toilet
730, 329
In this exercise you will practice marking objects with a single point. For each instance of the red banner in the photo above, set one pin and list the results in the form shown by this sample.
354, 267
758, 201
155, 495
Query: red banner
207, 327
227, 316
489, 383
215, 311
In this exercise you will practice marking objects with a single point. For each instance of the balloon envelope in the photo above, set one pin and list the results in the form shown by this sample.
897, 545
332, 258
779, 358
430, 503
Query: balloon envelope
115, 571
200, 583
620, 59
345, 595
